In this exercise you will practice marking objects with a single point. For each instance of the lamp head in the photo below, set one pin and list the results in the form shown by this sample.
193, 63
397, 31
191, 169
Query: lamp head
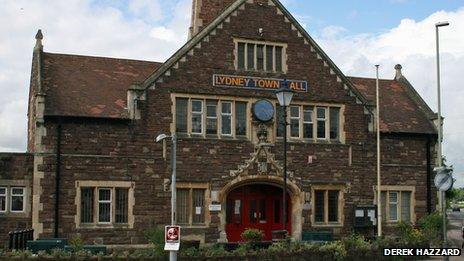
284, 94
440, 24
161, 137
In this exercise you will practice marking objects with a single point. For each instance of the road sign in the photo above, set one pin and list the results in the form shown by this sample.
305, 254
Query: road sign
172, 238
443, 182
443, 179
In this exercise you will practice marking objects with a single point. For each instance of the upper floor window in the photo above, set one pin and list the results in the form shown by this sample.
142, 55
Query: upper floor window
260, 56
211, 118
309, 122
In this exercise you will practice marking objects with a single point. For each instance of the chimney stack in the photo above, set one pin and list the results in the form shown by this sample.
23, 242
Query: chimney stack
204, 12
399, 74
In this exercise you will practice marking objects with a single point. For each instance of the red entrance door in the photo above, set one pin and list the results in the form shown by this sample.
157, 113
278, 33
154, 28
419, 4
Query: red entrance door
255, 206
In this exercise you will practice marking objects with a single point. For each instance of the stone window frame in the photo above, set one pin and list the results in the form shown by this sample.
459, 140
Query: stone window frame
5, 196
396, 188
266, 45
23, 195
218, 99
24, 184
111, 185
341, 205
314, 139
207, 201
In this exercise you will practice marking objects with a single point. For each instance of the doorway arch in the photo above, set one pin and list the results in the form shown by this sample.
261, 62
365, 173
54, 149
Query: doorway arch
252, 191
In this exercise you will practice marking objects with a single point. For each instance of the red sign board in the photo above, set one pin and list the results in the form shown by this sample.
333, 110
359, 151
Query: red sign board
172, 234
172, 238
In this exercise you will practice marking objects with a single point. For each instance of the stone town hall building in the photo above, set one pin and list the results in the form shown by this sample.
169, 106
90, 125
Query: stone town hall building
92, 166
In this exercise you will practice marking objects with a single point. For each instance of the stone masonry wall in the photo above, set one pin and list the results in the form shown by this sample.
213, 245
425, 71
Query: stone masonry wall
15, 169
125, 150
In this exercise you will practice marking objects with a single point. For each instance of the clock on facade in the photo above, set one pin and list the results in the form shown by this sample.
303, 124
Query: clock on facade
263, 110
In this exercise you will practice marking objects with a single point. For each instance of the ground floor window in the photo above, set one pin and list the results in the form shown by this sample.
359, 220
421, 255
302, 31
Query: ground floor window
3, 199
12, 199
397, 204
327, 205
105, 203
191, 204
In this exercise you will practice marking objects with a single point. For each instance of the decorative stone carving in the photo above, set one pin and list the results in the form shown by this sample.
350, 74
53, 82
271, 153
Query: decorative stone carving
262, 160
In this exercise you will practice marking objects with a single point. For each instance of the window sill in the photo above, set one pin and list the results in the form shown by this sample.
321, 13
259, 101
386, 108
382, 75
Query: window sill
8, 214
310, 141
199, 226
211, 137
395, 223
336, 225
103, 226
262, 72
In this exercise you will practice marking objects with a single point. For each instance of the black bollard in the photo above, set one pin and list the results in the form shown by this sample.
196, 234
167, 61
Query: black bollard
10, 241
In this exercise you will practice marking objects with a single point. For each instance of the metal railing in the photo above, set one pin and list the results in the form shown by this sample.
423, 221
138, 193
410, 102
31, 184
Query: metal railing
18, 239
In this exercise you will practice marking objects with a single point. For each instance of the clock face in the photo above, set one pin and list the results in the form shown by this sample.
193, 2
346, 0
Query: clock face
263, 110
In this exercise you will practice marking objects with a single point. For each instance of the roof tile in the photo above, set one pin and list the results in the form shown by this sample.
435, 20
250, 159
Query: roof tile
398, 112
86, 86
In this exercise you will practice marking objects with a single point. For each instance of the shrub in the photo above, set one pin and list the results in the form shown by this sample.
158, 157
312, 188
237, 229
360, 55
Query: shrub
20, 254
411, 236
76, 243
60, 254
190, 252
252, 235
356, 243
215, 251
155, 235
334, 250
431, 226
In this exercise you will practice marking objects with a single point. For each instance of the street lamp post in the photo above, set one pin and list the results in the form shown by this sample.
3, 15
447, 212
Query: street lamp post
173, 137
440, 127
284, 95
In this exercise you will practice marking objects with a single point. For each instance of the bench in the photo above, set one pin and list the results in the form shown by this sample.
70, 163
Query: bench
60, 243
46, 244
317, 236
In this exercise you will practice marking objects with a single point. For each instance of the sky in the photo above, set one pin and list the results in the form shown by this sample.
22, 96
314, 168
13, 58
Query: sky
356, 35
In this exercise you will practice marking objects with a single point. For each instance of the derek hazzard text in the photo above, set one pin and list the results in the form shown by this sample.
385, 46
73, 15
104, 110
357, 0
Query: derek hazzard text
421, 252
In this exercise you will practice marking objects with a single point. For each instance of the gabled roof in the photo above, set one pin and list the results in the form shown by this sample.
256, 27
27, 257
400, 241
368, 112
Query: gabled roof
86, 86
399, 113
195, 42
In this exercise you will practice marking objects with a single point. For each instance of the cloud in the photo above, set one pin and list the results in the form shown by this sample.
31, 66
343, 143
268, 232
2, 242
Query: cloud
148, 9
412, 44
79, 27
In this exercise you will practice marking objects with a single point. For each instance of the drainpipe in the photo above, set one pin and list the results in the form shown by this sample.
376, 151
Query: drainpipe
429, 175
57, 177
